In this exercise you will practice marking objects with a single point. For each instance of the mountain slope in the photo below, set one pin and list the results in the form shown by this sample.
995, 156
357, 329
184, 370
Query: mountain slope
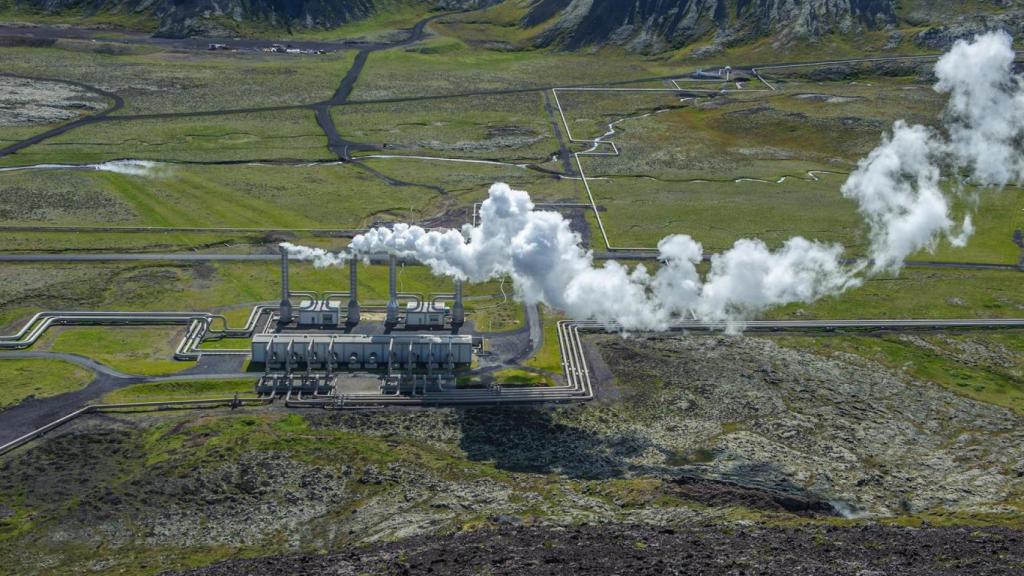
178, 18
652, 25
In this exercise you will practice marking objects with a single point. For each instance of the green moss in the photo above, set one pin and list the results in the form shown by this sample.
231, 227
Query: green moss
513, 377
133, 350
921, 293
227, 344
180, 390
549, 357
26, 378
981, 381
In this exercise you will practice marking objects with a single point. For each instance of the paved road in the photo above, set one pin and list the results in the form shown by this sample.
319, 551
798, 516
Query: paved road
116, 104
335, 142
343, 147
191, 43
34, 413
84, 362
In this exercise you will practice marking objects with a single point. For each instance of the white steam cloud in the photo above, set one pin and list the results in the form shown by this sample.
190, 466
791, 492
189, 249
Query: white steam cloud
899, 186
130, 167
899, 189
318, 256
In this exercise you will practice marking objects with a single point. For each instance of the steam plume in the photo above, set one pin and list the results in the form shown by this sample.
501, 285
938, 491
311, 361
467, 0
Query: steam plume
543, 256
899, 189
318, 256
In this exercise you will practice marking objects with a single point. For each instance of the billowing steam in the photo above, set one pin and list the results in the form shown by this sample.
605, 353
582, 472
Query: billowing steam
899, 186
899, 189
543, 256
318, 256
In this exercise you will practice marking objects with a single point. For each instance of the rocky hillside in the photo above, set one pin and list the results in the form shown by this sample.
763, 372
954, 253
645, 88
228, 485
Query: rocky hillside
653, 25
179, 18
639, 25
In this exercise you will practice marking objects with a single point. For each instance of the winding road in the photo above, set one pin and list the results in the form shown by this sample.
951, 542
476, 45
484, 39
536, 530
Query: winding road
117, 103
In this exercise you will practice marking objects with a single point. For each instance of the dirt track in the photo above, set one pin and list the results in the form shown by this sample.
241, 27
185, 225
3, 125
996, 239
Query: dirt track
693, 549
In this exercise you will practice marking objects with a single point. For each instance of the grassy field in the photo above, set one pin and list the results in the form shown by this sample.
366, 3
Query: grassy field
265, 196
184, 390
549, 357
133, 350
229, 286
450, 66
155, 81
14, 241
947, 360
34, 378
508, 128
497, 315
922, 293
738, 166
261, 197
288, 135
640, 211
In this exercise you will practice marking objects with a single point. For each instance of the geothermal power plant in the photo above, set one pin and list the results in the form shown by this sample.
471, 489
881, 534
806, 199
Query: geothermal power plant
417, 347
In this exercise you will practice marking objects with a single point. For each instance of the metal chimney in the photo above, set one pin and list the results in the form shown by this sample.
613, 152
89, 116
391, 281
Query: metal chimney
285, 311
391, 320
458, 310
353, 299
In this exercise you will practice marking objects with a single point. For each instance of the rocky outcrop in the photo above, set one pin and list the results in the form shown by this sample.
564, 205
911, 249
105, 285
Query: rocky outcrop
653, 25
943, 36
181, 18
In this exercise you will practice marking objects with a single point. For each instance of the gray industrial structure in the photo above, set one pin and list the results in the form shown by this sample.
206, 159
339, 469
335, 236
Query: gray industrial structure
337, 352
310, 345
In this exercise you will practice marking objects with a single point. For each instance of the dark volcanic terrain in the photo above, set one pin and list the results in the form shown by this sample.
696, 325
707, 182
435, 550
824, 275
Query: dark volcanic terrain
688, 549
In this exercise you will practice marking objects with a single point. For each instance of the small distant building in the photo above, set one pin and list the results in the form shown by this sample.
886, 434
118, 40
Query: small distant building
425, 316
318, 313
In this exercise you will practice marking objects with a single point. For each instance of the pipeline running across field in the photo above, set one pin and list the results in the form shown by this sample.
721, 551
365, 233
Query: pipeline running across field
578, 384
200, 327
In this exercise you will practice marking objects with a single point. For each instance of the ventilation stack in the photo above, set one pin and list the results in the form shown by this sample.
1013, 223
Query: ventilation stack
458, 310
353, 299
391, 320
285, 311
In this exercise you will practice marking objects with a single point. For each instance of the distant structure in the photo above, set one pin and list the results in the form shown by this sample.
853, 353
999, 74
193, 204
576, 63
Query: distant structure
307, 347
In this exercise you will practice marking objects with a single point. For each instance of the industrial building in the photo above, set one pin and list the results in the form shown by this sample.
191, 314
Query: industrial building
334, 352
308, 346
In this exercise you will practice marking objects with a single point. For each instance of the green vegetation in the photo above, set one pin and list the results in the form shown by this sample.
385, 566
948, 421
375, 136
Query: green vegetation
132, 350
141, 463
262, 196
549, 357
503, 315
34, 378
383, 25
746, 174
287, 135
156, 81
179, 390
951, 361
229, 286
452, 68
227, 344
64, 241
516, 378
506, 128
921, 293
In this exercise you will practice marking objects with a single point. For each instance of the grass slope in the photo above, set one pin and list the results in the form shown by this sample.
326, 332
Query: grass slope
31, 378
